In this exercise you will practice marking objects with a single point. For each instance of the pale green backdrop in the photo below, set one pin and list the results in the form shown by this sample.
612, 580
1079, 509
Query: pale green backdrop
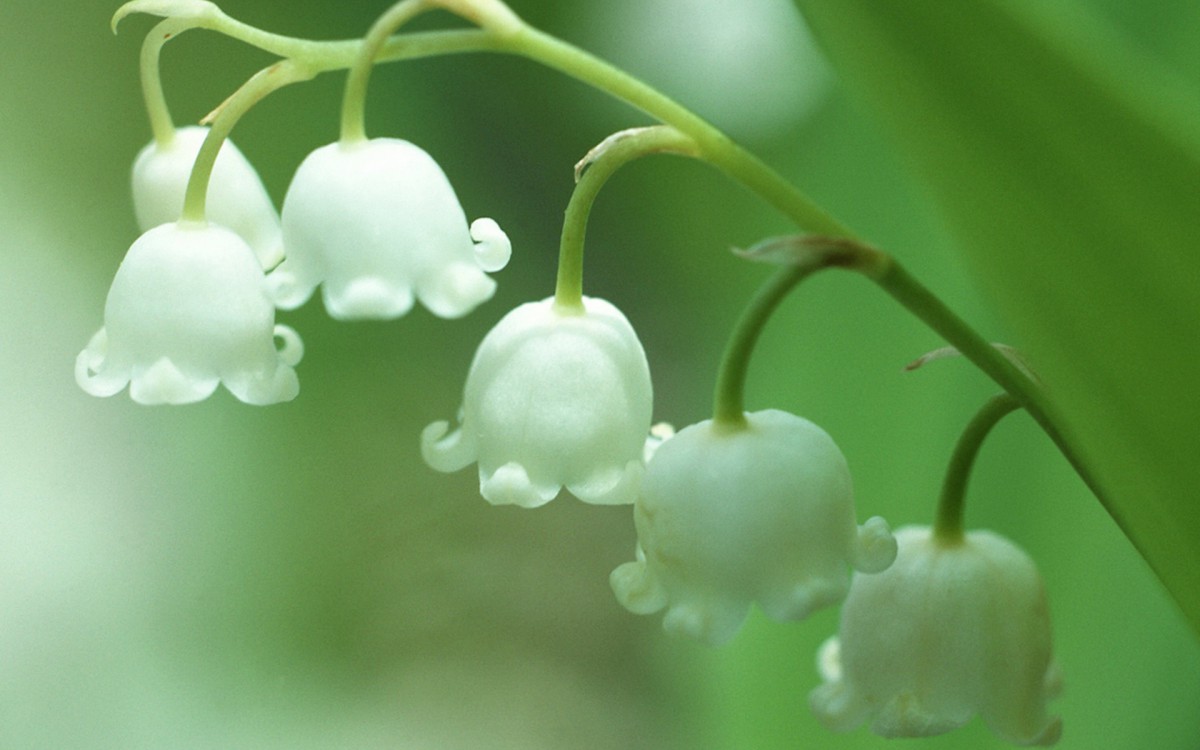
223, 576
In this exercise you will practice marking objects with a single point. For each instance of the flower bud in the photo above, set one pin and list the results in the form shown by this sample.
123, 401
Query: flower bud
949, 631
378, 223
187, 310
236, 199
553, 398
727, 516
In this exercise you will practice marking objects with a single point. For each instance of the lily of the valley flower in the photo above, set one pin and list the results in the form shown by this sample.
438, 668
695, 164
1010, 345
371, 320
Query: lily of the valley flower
553, 398
236, 196
729, 516
949, 631
187, 310
377, 223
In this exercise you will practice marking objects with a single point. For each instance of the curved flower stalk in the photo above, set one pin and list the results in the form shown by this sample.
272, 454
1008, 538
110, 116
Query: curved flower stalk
236, 196
727, 516
951, 630
553, 398
187, 310
378, 223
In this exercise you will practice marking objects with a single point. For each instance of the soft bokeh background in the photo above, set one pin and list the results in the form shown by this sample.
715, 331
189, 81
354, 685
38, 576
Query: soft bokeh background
221, 576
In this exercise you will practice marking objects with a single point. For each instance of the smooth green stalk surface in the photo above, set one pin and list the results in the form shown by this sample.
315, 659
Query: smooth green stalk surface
354, 104
159, 113
594, 170
800, 257
224, 118
948, 527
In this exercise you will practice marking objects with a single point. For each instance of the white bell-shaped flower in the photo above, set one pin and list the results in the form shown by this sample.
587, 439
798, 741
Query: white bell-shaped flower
728, 516
377, 222
949, 631
553, 398
188, 309
236, 196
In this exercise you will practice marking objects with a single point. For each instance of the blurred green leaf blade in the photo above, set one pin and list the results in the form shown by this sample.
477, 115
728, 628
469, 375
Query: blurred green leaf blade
1067, 168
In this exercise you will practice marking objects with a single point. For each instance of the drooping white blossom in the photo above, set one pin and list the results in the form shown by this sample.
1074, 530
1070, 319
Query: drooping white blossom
187, 310
554, 398
727, 516
949, 631
377, 224
236, 196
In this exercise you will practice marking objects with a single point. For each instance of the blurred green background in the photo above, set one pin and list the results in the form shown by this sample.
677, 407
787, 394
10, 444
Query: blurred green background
221, 576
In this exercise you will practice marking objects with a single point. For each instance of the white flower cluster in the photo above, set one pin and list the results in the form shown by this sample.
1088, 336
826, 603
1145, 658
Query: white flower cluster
192, 304
728, 515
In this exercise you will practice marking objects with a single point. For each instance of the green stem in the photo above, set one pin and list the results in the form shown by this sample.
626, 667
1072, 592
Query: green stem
926, 306
801, 258
715, 147
948, 527
161, 124
354, 104
601, 163
254, 90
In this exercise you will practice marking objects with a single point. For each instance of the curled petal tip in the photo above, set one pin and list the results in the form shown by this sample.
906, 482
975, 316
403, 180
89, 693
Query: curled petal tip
493, 248
88, 367
291, 348
875, 549
443, 451
285, 290
636, 588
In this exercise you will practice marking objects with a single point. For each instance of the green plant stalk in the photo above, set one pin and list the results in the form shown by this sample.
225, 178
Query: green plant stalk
159, 113
525, 41
801, 257
926, 306
260, 85
595, 170
948, 525
354, 103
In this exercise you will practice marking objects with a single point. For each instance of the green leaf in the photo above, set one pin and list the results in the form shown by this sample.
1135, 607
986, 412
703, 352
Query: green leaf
1068, 171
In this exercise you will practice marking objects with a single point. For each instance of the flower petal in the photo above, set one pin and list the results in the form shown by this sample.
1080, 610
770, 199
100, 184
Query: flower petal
164, 383
493, 248
90, 371
510, 485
